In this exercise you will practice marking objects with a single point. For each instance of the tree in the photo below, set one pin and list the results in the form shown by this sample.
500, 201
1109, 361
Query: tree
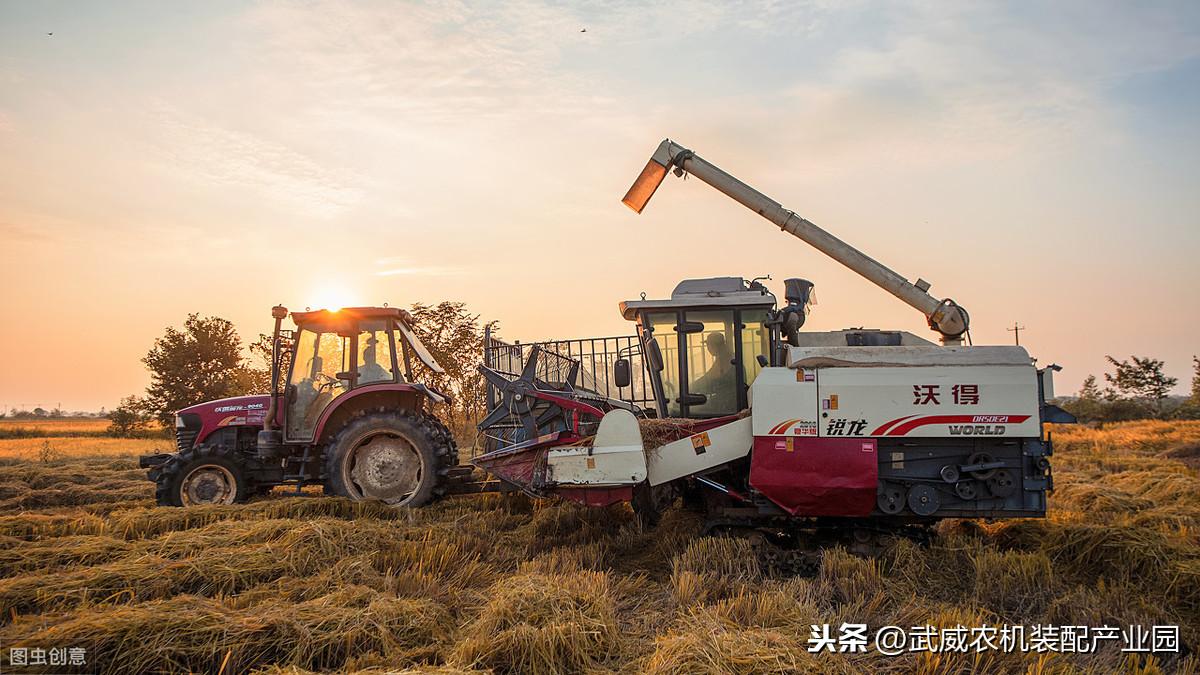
1196, 380
200, 363
260, 350
1090, 391
1141, 380
1089, 405
455, 338
130, 419
1190, 410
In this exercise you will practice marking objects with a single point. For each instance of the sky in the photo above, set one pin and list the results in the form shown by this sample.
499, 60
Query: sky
1037, 162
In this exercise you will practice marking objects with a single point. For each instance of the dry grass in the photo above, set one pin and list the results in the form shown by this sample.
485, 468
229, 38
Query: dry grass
503, 584
55, 448
56, 425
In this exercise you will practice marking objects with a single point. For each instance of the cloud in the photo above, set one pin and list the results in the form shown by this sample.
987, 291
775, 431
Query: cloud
228, 157
441, 62
423, 271
943, 84
397, 266
11, 232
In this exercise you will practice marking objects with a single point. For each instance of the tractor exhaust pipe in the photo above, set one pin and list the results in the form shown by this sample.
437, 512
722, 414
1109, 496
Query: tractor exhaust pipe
270, 423
269, 444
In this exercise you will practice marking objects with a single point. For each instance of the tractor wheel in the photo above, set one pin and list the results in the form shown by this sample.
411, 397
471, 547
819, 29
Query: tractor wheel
398, 457
203, 475
450, 459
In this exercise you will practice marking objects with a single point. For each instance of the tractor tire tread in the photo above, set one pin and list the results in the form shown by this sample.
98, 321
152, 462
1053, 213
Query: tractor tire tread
171, 473
439, 445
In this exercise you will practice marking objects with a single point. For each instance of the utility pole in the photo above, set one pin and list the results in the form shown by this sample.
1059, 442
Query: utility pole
1016, 331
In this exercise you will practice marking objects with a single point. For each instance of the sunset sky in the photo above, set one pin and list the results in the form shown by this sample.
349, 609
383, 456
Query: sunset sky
1037, 162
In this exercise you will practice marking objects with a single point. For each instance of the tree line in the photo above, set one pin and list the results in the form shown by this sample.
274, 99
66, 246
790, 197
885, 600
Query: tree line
1136, 388
204, 360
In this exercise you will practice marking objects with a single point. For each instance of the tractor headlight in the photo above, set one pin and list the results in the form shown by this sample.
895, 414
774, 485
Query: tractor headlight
179, 422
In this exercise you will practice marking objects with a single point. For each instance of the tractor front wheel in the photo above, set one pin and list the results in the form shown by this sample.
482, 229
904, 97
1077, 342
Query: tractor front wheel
396, 457
202, 475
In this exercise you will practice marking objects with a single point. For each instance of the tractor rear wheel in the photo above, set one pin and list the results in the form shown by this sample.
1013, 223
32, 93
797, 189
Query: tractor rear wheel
398, 457
203, 475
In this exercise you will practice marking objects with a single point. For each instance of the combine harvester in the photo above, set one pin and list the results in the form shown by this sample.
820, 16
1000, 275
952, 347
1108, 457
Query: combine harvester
796, 438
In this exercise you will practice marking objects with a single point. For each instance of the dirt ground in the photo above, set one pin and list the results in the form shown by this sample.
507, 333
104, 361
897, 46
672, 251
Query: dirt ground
294, 584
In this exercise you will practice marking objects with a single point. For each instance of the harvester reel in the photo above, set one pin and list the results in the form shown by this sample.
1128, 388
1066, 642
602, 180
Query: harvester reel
518, 399
923, 500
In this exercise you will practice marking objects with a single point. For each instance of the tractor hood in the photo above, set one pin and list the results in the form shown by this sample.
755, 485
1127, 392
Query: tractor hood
238, 410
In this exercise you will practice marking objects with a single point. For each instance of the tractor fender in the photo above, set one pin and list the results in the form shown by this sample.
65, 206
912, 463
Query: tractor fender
407, 396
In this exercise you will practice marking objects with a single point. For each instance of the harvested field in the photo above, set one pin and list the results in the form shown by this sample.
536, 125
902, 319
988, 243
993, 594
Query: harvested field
290, 584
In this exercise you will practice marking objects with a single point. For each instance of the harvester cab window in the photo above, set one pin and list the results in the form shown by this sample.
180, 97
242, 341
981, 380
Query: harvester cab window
663, 330
756, 341
319, 359
711, 339
375, 363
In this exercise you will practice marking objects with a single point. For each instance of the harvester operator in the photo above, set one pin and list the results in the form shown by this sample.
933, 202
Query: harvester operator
716, 382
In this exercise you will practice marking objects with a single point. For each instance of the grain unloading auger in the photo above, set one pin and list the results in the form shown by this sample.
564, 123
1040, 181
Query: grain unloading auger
842, 434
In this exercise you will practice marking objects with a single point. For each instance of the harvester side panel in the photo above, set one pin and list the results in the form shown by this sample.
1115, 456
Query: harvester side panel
816, 476
699, 452
961, 440
929, 401
784, 401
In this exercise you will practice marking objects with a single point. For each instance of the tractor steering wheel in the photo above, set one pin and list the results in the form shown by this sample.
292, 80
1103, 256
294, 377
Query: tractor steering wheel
325, 380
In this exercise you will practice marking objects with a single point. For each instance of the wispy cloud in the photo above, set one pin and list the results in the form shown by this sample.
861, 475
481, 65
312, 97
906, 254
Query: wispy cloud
442, 61
398, 266
940, 84
209, 152
11, 232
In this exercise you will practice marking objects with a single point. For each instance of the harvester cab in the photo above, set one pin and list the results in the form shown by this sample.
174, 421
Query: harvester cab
711, 338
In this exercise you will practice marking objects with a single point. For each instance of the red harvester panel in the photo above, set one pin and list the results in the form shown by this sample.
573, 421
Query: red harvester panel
595, 496
816, 476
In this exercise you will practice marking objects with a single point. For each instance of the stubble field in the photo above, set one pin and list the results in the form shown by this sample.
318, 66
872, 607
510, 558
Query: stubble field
503, 583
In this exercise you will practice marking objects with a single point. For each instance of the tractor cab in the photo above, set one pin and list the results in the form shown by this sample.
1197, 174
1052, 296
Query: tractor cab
704, 345
334, 352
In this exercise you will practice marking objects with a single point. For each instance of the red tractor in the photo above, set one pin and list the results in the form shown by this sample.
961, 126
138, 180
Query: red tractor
343, 411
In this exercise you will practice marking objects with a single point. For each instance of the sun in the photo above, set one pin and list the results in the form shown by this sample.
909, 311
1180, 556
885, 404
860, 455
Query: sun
332, 296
